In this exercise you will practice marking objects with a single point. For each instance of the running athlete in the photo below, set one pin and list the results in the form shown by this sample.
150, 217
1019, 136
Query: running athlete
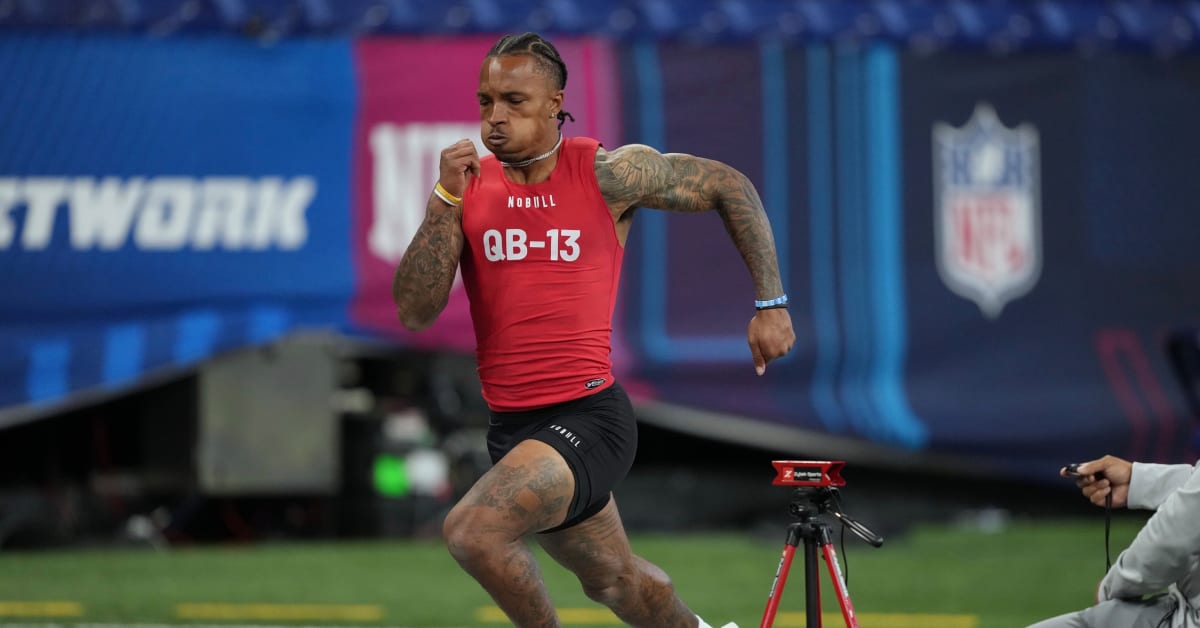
539, 229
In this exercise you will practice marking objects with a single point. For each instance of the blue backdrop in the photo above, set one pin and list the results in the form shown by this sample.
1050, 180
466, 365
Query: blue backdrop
161, 200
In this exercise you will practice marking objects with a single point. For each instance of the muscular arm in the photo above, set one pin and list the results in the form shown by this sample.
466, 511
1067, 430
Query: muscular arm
421, 285
638, 176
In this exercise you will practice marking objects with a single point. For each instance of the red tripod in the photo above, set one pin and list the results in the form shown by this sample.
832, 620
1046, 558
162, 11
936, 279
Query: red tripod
809, 502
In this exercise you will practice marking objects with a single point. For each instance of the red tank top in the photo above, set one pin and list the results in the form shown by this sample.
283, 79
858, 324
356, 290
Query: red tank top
541, 266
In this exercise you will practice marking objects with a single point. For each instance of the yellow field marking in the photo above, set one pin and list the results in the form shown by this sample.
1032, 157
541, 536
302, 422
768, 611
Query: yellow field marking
308, 612
493, 615
40, 609
884, 620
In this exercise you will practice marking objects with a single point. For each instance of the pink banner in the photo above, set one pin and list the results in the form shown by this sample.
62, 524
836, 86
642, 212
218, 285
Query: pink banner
417, 96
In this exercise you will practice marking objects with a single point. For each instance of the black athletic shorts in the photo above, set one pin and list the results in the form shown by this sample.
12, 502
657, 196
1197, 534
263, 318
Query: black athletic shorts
596, 435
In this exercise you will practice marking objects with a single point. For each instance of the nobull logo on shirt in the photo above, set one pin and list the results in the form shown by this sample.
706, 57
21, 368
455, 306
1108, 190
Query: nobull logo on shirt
987, 209
155, 214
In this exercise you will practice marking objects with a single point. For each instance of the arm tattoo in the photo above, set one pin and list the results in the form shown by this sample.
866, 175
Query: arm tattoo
421, 285
635, 175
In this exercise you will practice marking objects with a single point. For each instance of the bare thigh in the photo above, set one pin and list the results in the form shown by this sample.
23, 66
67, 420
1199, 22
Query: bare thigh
528, 490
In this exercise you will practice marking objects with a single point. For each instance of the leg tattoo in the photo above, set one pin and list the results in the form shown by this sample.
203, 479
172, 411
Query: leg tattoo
530, 489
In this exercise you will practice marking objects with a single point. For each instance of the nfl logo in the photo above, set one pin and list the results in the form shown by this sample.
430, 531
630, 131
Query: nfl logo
987, 209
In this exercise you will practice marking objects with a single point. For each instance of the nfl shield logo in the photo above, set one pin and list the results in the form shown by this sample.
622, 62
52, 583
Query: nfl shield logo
987, 209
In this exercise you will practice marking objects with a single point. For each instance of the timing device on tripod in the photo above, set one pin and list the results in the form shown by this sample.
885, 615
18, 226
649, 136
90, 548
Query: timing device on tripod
815, 494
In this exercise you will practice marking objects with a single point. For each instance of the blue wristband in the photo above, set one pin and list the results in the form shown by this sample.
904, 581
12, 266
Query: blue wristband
776, 302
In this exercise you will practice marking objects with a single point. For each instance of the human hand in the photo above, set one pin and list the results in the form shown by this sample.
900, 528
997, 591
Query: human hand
457, 161
1098, 478
770, 335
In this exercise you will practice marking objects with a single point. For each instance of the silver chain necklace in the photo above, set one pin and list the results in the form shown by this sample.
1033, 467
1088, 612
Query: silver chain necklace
522, 164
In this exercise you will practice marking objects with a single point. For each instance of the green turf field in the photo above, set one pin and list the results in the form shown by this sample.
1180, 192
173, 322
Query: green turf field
933, 577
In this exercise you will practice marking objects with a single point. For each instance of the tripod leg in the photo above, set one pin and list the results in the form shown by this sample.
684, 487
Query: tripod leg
812, 581
781, 574
835, 574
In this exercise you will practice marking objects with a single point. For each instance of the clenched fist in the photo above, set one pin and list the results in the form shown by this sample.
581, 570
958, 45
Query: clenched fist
458, 160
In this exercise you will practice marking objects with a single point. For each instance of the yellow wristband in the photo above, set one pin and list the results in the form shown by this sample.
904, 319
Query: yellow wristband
445, 194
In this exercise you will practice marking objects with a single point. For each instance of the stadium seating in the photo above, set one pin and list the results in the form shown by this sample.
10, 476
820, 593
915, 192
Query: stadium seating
998, 25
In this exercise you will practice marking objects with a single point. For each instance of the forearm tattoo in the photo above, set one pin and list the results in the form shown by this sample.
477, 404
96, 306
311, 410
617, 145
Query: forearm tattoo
639, 176
421, 285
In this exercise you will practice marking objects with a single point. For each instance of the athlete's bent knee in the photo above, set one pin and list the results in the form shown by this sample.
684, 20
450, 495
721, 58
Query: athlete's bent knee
610, 591
465, 537
620, 587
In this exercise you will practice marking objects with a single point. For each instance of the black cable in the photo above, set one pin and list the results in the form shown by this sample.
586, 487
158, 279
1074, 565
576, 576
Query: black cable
1099, 475
845, 559
1107, 530
1165, 621
837, 501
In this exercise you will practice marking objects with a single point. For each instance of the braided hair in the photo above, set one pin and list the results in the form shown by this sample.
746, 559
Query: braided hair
545, 55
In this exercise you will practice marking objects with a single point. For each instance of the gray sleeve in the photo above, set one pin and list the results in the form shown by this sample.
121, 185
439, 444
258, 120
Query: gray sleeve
1163, 551
1150, 484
